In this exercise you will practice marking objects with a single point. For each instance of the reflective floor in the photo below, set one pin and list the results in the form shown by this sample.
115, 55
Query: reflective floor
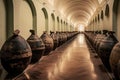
74, 60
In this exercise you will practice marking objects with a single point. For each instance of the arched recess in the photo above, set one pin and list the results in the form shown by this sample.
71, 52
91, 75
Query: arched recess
23, 18
58, 25
61, 25
107, 11
53, 21
64, 25
98, 23
46, 19
34, 14
93, 25
98, 17
3, 26
101, 21
9, 17
95, 21
106, 21
116, 18
102, 15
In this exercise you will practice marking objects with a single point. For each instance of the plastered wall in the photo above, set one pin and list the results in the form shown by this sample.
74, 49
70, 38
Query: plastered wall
2, 23
22, 17
118, 22
107, 22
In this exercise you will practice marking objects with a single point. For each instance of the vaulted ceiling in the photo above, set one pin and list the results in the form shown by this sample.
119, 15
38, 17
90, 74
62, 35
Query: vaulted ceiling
76, 11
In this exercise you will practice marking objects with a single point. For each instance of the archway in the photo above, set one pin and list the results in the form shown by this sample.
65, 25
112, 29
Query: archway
34, 14
61, 25
102, 15
107, 11
106, 21
101, 21
64, 25
53, 21
9, 17
98, 22
23, 17
58, 25
46, 19
3, 26
116, 18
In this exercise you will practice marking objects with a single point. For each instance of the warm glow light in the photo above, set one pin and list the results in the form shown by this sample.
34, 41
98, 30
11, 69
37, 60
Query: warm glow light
81, 28
99, 1
51, 2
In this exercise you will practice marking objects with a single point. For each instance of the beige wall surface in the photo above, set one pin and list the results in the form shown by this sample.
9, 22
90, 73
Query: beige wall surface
22, 17
118, 23
2, 23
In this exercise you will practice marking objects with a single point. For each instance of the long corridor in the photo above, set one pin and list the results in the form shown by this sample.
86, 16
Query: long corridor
73, 60
60, 40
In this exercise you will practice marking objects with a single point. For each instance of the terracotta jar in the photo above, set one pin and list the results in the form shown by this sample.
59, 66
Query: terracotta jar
100, 37
59, 38
67, 34
55, 39
98, 34
115, 60
36, 45
105, 48
48, 41
64, 37
15, 54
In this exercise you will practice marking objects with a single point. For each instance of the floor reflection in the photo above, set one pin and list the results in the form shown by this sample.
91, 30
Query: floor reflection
79, 42
74, 64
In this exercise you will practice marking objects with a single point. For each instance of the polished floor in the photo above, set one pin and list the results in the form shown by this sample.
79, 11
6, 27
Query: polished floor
74, 60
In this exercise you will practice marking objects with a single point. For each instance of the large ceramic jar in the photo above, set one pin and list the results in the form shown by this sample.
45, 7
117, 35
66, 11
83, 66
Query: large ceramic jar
55, 39
15, 54
36, 45
115, 60
98, 34
64, 37
59, 38
105, 48
48, 41
101, 37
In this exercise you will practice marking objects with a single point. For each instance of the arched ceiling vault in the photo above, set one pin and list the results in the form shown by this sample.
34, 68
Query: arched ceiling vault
77, 11
80, 12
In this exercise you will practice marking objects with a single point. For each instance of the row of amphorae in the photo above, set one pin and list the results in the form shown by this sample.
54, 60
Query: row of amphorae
17, 53
108, 49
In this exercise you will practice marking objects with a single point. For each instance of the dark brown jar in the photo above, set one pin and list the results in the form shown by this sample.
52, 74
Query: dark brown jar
115, 60
55, 39
36, 45
101, 37
48, 41
59, 38
105, 48
64, 37
15, 54
98, 34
